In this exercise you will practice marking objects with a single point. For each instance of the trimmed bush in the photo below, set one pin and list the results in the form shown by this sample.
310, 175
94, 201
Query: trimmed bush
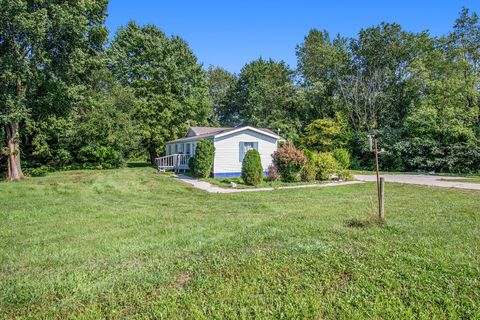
252, 171
326, 165
202, 162
343, 158
289, 162
272, 173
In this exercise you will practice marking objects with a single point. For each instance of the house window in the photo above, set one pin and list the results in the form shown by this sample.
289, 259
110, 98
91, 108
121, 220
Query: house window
245, 146
176, 148
187, 151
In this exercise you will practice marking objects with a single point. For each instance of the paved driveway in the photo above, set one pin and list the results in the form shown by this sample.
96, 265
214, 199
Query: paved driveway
426, 180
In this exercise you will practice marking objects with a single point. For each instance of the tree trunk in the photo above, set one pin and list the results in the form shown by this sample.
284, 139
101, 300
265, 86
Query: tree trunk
153, 154
13, 161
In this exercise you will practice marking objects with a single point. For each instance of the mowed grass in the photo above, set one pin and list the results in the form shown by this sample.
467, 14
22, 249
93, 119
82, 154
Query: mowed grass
132, 243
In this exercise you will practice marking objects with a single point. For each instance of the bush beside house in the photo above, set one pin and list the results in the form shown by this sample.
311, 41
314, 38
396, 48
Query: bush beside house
252, 171
289, 161
202, 163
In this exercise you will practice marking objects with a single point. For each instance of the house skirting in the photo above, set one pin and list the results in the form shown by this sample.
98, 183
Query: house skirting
231, 174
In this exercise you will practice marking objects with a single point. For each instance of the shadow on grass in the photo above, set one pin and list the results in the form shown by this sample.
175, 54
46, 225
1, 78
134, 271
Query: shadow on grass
140, 165
356, 223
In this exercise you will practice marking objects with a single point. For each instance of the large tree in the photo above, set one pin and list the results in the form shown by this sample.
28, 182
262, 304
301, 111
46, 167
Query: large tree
321, 62
170, 84
47, 51
265, 96
220, 82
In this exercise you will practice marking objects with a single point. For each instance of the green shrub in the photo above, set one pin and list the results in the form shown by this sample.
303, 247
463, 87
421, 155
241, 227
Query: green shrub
345, 174
289, 161
203, 160
39, 172
343, 158
309, 172
326, 165
99, 157
252, 171
191, 163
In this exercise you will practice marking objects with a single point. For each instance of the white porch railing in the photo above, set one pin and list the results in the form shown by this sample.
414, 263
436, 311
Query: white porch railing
174, 161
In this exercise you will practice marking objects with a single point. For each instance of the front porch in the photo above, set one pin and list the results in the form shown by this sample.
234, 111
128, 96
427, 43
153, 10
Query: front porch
175, 162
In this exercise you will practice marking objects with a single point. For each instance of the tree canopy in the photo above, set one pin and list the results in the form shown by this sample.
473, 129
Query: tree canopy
69, 98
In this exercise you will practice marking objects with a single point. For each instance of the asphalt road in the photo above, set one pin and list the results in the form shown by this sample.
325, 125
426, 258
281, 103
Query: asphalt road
421, 179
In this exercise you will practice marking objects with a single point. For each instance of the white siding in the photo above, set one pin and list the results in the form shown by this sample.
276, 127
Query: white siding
227, 150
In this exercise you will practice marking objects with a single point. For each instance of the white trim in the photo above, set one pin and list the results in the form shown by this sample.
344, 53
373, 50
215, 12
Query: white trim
248, 128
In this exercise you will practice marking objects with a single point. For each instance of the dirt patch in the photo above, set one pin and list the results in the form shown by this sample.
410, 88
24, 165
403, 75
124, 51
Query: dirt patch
181, 280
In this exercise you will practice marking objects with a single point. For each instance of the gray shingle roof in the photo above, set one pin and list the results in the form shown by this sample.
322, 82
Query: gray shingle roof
210, 132
207, 130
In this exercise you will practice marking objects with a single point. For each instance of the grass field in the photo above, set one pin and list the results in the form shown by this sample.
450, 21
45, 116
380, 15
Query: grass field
131, 243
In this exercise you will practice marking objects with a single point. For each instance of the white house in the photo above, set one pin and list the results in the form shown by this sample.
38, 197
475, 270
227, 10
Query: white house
231, 144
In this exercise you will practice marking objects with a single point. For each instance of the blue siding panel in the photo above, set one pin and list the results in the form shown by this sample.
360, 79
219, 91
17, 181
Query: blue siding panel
231, 174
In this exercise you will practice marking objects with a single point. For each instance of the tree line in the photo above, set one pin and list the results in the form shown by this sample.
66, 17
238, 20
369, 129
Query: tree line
70, 98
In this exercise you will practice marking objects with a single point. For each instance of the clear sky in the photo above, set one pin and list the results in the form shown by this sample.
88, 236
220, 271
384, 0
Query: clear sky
232, 33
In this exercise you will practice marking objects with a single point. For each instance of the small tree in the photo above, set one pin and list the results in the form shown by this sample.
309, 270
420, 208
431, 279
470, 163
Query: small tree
252, 171
203, 160
326, 134
289, 162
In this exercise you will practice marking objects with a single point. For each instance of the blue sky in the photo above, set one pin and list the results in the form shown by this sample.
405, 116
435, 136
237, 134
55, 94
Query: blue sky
230, 34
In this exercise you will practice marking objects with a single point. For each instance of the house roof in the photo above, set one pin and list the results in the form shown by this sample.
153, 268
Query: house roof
212, 132
206, 130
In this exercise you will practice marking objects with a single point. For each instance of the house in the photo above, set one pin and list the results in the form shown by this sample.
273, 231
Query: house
231, 144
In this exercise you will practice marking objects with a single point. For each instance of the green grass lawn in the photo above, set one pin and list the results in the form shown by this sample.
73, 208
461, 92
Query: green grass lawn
132, 243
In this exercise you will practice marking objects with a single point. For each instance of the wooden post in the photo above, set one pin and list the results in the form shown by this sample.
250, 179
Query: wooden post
378, 178
381, 211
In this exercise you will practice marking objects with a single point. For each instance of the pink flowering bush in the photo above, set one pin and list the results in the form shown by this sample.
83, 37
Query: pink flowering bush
289, 161
272, 173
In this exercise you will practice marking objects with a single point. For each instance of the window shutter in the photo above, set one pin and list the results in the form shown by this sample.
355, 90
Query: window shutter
242, 151
255, 146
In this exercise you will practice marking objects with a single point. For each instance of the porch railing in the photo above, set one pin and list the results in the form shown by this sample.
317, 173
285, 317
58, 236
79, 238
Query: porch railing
174, 162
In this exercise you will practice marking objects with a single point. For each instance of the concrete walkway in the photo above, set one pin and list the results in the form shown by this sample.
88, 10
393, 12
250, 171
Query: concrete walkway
421, 179
216, 189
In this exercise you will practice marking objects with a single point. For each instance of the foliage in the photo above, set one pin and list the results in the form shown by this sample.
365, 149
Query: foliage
100, 157
68, 99
309, 171
220, 83
252, 171
345, 175
39, 172
272, 173
203, 159
289, 161
47, 51
343, 158
326, 134
325, 165
265, 96
169, 84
